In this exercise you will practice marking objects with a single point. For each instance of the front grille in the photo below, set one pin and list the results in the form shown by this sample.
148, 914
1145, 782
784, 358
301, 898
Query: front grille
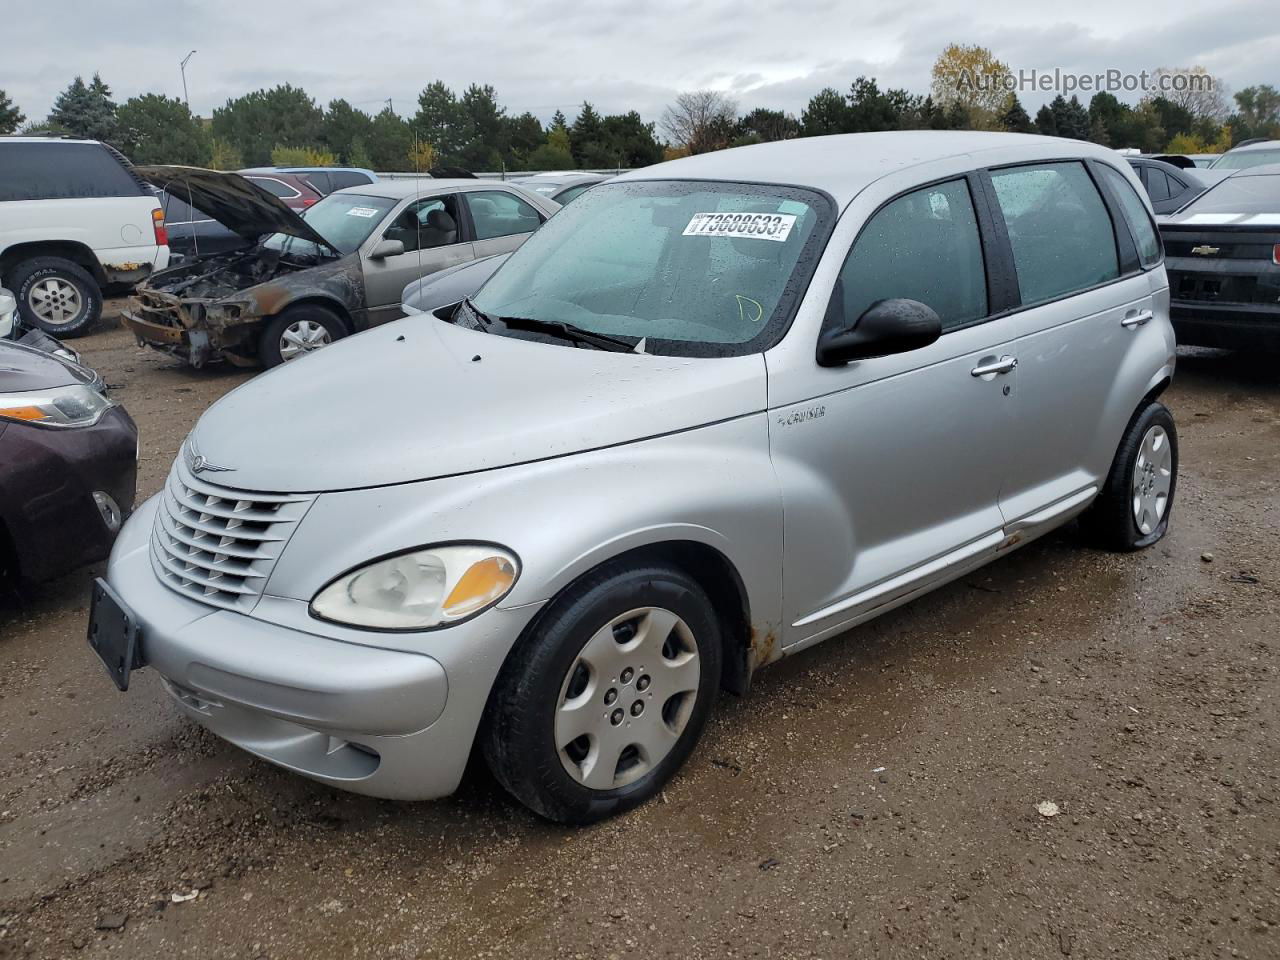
216, 544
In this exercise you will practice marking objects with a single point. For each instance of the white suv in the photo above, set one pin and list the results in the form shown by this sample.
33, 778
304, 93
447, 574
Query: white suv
74, 220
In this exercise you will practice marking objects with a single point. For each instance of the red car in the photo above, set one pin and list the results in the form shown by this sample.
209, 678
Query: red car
292, 189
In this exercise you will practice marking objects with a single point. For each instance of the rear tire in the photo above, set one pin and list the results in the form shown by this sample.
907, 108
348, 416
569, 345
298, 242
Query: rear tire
1136, 502
56, 296
630, 656
297, 331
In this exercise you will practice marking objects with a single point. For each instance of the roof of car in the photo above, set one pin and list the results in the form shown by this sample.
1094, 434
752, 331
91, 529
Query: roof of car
1261, 170
1250, 147
49, 140
845, 163
412, 186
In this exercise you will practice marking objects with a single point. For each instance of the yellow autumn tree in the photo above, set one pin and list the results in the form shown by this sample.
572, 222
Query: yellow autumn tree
422, 156
970, 75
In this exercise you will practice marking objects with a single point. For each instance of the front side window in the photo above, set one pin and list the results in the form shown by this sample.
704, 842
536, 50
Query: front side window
922, 246
572, 193
424, 224
1059, 229
344, 219
497, 213
1135, 214
696, 268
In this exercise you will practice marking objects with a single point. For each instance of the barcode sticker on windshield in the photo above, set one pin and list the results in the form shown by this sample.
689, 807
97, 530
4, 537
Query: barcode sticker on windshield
365, 212
754, 226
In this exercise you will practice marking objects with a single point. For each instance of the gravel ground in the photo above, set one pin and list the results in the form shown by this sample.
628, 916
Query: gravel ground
874, 796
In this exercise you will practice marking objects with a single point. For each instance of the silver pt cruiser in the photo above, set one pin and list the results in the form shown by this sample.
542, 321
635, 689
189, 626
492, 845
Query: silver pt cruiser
713, 412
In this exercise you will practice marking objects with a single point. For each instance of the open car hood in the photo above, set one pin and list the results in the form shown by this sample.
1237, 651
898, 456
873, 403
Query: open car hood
240, 206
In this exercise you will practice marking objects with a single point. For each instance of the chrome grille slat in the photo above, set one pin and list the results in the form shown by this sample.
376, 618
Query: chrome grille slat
218, 545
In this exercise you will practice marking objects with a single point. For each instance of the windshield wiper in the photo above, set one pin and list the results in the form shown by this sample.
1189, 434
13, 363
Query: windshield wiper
483, 319
567, 331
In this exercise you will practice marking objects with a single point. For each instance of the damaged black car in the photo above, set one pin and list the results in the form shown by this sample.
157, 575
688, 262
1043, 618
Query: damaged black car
299, 284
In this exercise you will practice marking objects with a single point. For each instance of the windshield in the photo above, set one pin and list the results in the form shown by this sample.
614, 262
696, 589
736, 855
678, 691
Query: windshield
344, 219
698, 269
1241, 194
1242, 159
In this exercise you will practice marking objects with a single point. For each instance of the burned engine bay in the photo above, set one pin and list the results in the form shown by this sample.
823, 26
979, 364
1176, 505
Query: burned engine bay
215, 307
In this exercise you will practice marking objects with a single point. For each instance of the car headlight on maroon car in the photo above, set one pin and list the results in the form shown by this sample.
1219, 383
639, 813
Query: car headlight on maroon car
420, 589
75, 405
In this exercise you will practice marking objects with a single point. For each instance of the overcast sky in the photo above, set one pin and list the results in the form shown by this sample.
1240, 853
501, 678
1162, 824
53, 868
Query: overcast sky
619, 55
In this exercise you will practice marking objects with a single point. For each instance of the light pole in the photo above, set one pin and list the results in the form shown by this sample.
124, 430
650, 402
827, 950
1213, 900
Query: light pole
183, 67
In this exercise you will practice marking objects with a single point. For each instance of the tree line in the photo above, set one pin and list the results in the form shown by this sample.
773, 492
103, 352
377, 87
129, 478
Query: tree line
284, 125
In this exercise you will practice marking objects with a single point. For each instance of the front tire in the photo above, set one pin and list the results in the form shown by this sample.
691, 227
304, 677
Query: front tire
1136, 502
297, 331
56, 296
605, 699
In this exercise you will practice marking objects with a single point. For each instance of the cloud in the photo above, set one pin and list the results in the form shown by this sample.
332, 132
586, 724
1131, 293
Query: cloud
543, 56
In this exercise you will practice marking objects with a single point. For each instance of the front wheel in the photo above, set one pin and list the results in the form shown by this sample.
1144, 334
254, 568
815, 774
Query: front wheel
606, 698
1135, 504
56, 296
297, 331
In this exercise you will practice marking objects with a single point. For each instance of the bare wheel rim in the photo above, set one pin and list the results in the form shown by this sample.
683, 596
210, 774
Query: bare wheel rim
302, 336
1152, 479
55, 301
627, 698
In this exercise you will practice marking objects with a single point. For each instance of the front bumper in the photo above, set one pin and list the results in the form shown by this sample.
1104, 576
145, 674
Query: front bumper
52, 519
388, 721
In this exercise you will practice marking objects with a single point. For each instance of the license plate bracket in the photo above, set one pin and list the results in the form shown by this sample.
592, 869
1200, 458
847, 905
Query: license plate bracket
114, 634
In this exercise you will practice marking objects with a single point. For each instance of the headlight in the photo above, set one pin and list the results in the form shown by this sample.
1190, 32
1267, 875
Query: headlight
72, 406
420, 589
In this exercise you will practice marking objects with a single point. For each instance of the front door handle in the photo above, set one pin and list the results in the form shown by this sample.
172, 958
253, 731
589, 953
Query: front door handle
1137, 320
1003, 365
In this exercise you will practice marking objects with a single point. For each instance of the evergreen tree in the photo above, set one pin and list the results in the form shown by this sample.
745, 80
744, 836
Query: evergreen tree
1013, 117
584, 135
1046, 123
85, 111
389, 140
343, 126
439, 121
11, 118
257, 122
827, 112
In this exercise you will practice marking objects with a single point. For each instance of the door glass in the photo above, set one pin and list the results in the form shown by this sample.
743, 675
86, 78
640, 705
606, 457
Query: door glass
922, 246
425, 224
1059, 229
1135, 214
500, 214
275, 187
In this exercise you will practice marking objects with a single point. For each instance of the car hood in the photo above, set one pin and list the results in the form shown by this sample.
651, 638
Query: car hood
240, 206
24, 368
419, 399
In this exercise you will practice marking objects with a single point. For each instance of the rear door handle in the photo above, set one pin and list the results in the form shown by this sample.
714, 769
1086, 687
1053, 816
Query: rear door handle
1137, 320
1003, 365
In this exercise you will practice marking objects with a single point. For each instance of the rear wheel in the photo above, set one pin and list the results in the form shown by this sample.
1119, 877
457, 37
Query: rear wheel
605, 700
1135, 504
56, 296
297, 331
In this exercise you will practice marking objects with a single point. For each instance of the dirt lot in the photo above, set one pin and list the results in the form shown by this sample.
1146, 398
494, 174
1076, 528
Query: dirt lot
1138, 693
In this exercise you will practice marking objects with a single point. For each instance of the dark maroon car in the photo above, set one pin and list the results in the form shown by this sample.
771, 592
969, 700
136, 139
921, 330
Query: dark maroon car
68, 465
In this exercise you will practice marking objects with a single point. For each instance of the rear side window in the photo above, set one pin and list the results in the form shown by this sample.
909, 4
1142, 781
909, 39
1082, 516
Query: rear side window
1058, 227
1135, 214
922, 246
1158, 186
277, 187
500, 214
321, 180
347, 178
62, 171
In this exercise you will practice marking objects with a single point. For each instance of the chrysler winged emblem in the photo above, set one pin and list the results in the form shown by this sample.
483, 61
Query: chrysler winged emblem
198, 464
1205, 250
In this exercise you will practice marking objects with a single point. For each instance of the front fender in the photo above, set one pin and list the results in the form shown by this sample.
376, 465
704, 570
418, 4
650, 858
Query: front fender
713, 485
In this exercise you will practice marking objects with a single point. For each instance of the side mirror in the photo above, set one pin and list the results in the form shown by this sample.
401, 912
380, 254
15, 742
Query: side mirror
887, 327
386, 248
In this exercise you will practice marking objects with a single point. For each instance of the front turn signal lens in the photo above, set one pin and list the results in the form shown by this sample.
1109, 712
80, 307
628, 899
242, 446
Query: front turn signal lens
484, 582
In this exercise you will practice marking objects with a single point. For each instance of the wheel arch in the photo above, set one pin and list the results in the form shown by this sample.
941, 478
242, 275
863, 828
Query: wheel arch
744, 647
76, 252
333, 304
